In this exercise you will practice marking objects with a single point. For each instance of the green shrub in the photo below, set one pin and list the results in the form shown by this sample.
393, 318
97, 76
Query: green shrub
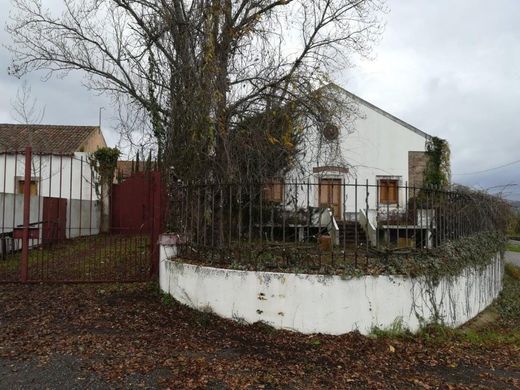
513, 272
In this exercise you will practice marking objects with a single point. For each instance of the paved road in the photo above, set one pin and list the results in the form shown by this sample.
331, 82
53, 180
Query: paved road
513, 257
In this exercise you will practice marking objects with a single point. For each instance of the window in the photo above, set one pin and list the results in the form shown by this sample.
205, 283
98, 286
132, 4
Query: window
388, 191
34, 187
273, 191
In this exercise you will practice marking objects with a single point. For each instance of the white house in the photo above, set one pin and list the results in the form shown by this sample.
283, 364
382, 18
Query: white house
64, 202
363, 148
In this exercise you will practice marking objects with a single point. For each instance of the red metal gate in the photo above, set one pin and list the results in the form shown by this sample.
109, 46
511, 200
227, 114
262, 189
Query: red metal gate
136, 207
132, 202
57, 225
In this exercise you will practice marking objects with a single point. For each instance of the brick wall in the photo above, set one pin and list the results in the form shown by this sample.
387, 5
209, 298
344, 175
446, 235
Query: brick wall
416, 167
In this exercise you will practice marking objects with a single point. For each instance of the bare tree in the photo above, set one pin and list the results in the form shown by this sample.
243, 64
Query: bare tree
25, 107
199, 70
27, 110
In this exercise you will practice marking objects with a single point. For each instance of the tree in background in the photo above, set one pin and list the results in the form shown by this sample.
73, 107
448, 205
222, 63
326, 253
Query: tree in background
25, 107
196, 72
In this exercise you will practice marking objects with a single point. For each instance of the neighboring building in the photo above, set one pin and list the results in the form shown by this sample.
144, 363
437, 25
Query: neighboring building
64, 201
365, 145
60, 166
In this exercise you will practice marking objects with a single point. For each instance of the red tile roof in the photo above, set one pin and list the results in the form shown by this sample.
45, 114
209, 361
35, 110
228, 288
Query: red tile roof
44, 138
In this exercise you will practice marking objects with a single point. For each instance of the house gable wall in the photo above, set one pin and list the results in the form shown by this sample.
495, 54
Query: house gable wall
372, 146
94, 142
379, 146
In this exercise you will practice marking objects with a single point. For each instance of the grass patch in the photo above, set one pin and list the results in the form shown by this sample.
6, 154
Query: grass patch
436, 333
512, 247
512, 271
166, 299
491, 336
440, 334
395, 330
508, 303
97, 257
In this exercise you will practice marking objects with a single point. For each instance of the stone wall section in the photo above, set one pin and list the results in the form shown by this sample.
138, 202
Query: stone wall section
416, 167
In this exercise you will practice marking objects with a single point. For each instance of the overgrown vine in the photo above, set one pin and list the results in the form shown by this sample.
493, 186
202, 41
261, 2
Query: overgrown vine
104, 163
437, 173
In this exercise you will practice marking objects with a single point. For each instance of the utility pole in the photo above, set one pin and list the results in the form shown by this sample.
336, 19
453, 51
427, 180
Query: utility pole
100, 109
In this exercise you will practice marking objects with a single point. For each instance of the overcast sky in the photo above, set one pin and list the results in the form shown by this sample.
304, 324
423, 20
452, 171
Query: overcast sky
450, 68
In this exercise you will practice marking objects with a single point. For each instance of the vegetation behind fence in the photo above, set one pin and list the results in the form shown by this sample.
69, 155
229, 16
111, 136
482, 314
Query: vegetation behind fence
324, 225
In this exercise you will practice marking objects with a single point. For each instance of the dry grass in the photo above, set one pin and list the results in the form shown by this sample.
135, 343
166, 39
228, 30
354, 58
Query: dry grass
100, 257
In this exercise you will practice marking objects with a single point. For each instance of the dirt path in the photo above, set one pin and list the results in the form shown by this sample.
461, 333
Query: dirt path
129, 336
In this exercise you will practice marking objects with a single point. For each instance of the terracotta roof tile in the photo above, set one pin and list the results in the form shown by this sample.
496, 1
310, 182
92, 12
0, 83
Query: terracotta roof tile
43, 138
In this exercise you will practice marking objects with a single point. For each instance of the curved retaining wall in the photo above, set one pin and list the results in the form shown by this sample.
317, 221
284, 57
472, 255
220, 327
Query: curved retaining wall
330, 304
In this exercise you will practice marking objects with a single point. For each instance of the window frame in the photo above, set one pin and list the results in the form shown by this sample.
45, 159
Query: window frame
20, 182
270, 193
383, 182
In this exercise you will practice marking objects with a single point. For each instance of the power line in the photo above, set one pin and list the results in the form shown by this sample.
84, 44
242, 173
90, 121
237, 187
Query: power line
487, 170
502, 186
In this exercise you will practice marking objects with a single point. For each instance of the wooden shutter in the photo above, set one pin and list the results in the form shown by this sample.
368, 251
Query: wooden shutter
388, 191
273, 191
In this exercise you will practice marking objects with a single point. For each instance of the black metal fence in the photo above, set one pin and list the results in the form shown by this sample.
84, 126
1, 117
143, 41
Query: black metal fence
324, 222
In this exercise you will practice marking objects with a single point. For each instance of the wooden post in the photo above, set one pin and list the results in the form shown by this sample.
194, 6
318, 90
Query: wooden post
24, 265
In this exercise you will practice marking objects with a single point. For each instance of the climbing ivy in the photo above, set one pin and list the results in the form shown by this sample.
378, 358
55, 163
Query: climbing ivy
104, 163
438, 171
449, 259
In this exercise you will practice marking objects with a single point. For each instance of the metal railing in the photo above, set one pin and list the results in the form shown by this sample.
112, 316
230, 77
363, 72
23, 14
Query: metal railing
57, 224
321, 224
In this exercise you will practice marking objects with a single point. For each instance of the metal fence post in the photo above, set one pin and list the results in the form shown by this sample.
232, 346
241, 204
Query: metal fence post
24, 264
156, 225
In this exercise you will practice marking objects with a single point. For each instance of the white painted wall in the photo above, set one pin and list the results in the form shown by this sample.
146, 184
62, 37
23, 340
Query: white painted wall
372, 144
82, 217
67, 177
329, 304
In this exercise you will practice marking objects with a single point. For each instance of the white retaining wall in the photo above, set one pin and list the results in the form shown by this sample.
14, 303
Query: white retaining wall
329, 304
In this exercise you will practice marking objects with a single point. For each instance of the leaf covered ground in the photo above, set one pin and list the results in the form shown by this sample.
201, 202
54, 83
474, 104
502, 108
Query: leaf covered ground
131, 336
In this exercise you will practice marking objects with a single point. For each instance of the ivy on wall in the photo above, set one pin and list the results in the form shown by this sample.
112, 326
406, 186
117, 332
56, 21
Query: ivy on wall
450, 259
104, 163
437, 173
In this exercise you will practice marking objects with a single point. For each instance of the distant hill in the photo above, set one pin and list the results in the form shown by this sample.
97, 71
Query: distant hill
515, 204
